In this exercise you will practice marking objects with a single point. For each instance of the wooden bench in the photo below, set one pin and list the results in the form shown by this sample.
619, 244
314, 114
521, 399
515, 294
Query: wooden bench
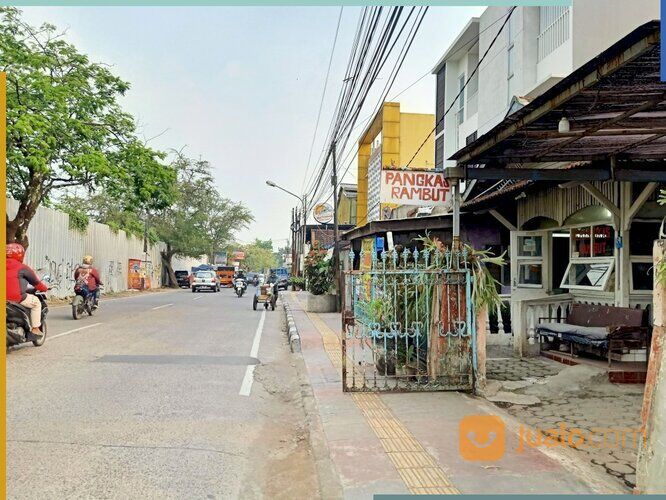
600, 330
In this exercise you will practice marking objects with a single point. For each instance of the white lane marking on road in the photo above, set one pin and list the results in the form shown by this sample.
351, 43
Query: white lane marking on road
246, 386
73, 331
199, 297
160, 307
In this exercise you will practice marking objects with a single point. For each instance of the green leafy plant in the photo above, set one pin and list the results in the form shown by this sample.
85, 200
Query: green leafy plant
298, 281
78, 220
484, 290
318, 271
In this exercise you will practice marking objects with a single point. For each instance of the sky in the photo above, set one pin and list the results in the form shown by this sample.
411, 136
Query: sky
241, 86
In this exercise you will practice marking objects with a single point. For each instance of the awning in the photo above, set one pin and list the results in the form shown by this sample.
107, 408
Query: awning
399, 225
616, 109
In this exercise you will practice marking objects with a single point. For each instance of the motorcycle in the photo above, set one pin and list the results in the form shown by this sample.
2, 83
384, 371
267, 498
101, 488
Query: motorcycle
18, 320
240, 286
83, 301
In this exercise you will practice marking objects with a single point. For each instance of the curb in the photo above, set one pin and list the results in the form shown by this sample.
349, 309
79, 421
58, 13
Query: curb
292, 331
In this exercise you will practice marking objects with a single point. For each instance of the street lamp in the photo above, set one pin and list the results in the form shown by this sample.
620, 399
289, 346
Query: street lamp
303, 200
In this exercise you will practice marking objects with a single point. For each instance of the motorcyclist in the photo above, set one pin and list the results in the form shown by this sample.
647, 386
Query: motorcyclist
240, 275
87, 275
19, 276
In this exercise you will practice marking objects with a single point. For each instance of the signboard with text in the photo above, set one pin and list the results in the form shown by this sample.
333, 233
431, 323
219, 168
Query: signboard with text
413, 187
220, 259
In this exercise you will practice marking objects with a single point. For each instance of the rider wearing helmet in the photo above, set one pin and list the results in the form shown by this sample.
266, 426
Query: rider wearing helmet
19, 276
88, 275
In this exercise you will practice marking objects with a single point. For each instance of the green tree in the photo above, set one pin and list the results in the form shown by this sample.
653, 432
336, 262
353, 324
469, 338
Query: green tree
258, 257
200, 221
265, 244
65, 127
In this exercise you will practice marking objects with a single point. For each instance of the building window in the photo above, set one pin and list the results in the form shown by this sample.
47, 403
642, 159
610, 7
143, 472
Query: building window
553, 29
461, 99
530, 273
642, 277
530, 261
592, 241
591, 265
440, 98
439, 152
588, 274
641, 240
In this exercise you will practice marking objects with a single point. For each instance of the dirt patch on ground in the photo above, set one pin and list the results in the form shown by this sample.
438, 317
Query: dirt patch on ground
581, 399
288, 469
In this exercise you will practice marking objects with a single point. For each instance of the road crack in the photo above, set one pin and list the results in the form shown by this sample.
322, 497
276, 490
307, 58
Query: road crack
128, 446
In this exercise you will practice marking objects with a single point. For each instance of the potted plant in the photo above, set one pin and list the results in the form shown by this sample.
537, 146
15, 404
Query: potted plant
319, 279
298, 283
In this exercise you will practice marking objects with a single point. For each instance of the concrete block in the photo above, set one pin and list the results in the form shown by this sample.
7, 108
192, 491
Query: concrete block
320, 303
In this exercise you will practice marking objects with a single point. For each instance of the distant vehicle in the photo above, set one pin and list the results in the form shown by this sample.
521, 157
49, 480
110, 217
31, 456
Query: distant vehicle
205, 280
259, 279
183, 278
282, 275
226, 275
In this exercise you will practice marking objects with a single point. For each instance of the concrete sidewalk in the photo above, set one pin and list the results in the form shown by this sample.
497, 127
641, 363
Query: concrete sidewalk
409, 442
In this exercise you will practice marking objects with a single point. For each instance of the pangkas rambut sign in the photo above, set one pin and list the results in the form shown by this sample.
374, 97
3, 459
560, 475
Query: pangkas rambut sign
410, 187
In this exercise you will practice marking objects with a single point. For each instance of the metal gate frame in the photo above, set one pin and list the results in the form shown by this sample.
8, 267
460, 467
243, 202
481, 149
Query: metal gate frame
408, 322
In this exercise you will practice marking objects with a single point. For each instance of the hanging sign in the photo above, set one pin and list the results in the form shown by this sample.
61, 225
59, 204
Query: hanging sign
413, 187
323, 213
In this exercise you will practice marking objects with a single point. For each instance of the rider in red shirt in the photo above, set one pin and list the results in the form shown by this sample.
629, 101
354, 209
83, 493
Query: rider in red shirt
19, 276
88, 275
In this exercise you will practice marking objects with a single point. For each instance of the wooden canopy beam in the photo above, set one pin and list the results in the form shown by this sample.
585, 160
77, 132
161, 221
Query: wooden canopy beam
630, 112
503, 220
640, 201
601, 197
533, 174
554, 134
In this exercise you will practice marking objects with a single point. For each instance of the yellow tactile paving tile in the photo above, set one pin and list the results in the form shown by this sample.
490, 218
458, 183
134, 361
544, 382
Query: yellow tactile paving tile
418, 470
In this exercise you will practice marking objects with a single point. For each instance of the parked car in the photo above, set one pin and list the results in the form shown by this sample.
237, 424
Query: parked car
183, 278
207, 280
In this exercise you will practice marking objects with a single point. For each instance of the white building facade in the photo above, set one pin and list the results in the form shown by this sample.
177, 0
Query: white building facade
537, 48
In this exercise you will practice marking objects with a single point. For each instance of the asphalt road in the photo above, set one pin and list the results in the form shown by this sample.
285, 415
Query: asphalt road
148, 399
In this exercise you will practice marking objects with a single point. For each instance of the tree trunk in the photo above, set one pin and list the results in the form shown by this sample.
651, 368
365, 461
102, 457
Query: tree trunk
172, 281
17, 229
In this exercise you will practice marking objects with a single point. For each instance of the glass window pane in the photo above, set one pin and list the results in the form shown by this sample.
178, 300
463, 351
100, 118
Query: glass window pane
641, 275
604, 238
582, 242
529, 274
584, 274
642, 236
529, 246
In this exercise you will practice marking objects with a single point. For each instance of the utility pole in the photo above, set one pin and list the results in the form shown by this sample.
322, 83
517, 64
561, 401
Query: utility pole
292, 227
454, 175
336, 238
305, 223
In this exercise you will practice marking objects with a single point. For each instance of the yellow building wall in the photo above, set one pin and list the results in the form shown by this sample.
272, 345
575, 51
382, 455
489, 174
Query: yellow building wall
362, 184
345, 206
402, 134
414, 127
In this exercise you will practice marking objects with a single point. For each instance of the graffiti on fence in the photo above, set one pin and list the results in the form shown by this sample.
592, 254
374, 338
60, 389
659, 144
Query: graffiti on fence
61, 273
